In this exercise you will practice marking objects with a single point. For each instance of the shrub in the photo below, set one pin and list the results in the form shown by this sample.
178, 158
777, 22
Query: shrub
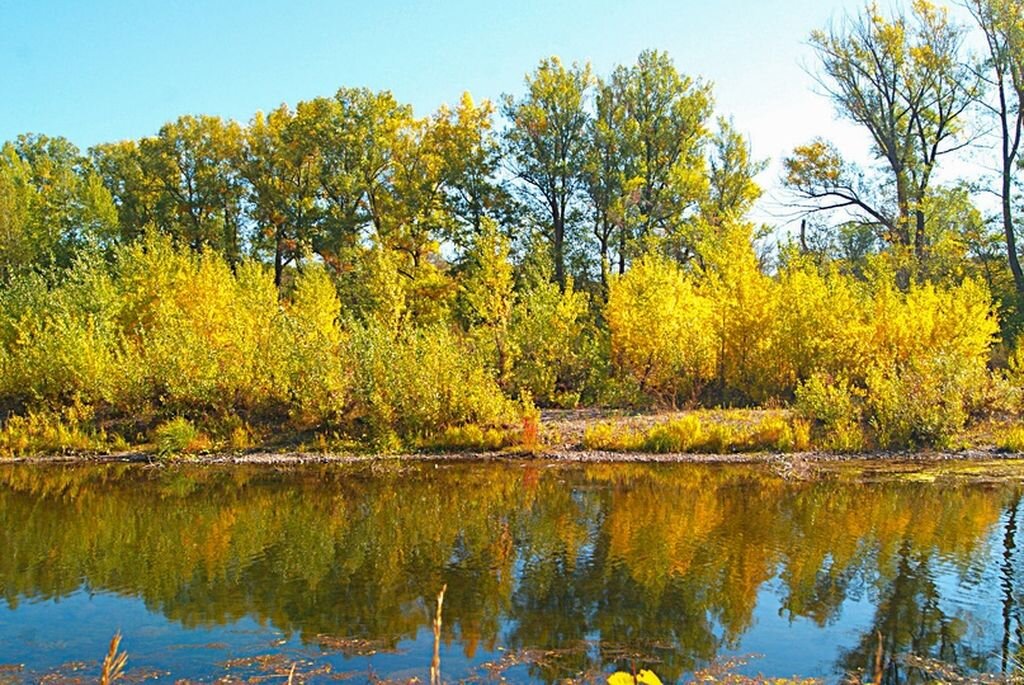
662, 330
44, 432
924, 404
684, 434
547, 344
309, 338
1012, 440
178, 436
414, 383
471, 437
605, 435
776, 432
835, 409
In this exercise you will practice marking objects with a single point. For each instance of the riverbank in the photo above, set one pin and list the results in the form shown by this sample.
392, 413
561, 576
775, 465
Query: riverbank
711, 436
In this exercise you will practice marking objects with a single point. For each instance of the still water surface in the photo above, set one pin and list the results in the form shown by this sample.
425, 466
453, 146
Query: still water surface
552, 571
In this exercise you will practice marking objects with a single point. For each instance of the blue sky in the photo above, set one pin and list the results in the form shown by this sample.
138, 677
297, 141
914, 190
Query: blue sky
103, 70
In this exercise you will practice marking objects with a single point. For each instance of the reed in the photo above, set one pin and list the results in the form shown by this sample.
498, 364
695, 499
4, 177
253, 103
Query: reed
435, 663
114, 662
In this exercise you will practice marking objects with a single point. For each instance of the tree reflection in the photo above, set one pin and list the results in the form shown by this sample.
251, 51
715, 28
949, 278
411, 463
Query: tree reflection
661, 563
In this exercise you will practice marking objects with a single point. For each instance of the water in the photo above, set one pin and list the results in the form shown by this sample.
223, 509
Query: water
553, 572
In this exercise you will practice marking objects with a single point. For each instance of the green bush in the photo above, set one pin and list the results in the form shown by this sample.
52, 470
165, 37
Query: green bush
415, 383
178, 436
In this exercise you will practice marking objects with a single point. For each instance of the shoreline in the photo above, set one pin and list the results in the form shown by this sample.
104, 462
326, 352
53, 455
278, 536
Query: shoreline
554, 456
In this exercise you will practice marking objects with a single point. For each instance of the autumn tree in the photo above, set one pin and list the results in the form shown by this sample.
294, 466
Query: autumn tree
134, 192
190, 167
668, 112
732, 167
904, 81
356, 133
1002, 24
280, 165
470, 157
545, 147
610, 176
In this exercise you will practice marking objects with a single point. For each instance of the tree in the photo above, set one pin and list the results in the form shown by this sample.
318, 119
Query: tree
470, 156
1002, 23
545, 146
610, 175
281, 167
904, 81
668, 112
191, 164
732, 190
356, 134
52, 203
134, 192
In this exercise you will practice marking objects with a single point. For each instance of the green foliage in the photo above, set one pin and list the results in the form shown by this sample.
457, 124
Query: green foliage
548, 344
836, 410
178, 436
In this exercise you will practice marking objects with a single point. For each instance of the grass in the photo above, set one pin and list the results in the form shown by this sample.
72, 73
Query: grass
114, 662
701, 431
179, 436
715, 433
474, 438
48, 433
1012, 440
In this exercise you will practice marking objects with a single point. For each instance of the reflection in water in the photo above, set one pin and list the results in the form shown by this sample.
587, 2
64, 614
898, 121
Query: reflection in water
605, 566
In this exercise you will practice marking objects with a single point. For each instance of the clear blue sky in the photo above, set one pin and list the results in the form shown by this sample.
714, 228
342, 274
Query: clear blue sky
103, 70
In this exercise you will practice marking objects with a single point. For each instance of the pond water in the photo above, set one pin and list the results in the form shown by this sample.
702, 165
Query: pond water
552, 572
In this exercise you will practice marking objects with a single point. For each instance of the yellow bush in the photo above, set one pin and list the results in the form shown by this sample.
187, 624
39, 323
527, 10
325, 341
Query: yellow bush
414, 383
309, 337
47, 432
179, 436
662, 330
822, 325
746, 303
1012, 440
544, 343
605, 435
685, 434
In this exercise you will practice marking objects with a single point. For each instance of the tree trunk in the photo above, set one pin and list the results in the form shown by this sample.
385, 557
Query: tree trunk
278, 261
1011, 237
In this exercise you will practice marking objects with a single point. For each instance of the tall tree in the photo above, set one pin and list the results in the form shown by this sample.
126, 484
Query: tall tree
610, 175
356, 133
904, 80
135, 193
281, 166
470, 156
192, 164
669, 112
732, 167
546, 144
1002, 24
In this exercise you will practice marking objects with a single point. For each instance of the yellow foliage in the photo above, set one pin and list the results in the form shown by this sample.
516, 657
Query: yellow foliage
662, 330
643, 677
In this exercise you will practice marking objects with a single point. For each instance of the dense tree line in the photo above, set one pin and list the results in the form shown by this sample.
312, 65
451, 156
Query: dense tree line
584, 241
595, 170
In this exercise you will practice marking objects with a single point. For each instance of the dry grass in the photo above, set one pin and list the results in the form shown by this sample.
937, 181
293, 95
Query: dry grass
114, 663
